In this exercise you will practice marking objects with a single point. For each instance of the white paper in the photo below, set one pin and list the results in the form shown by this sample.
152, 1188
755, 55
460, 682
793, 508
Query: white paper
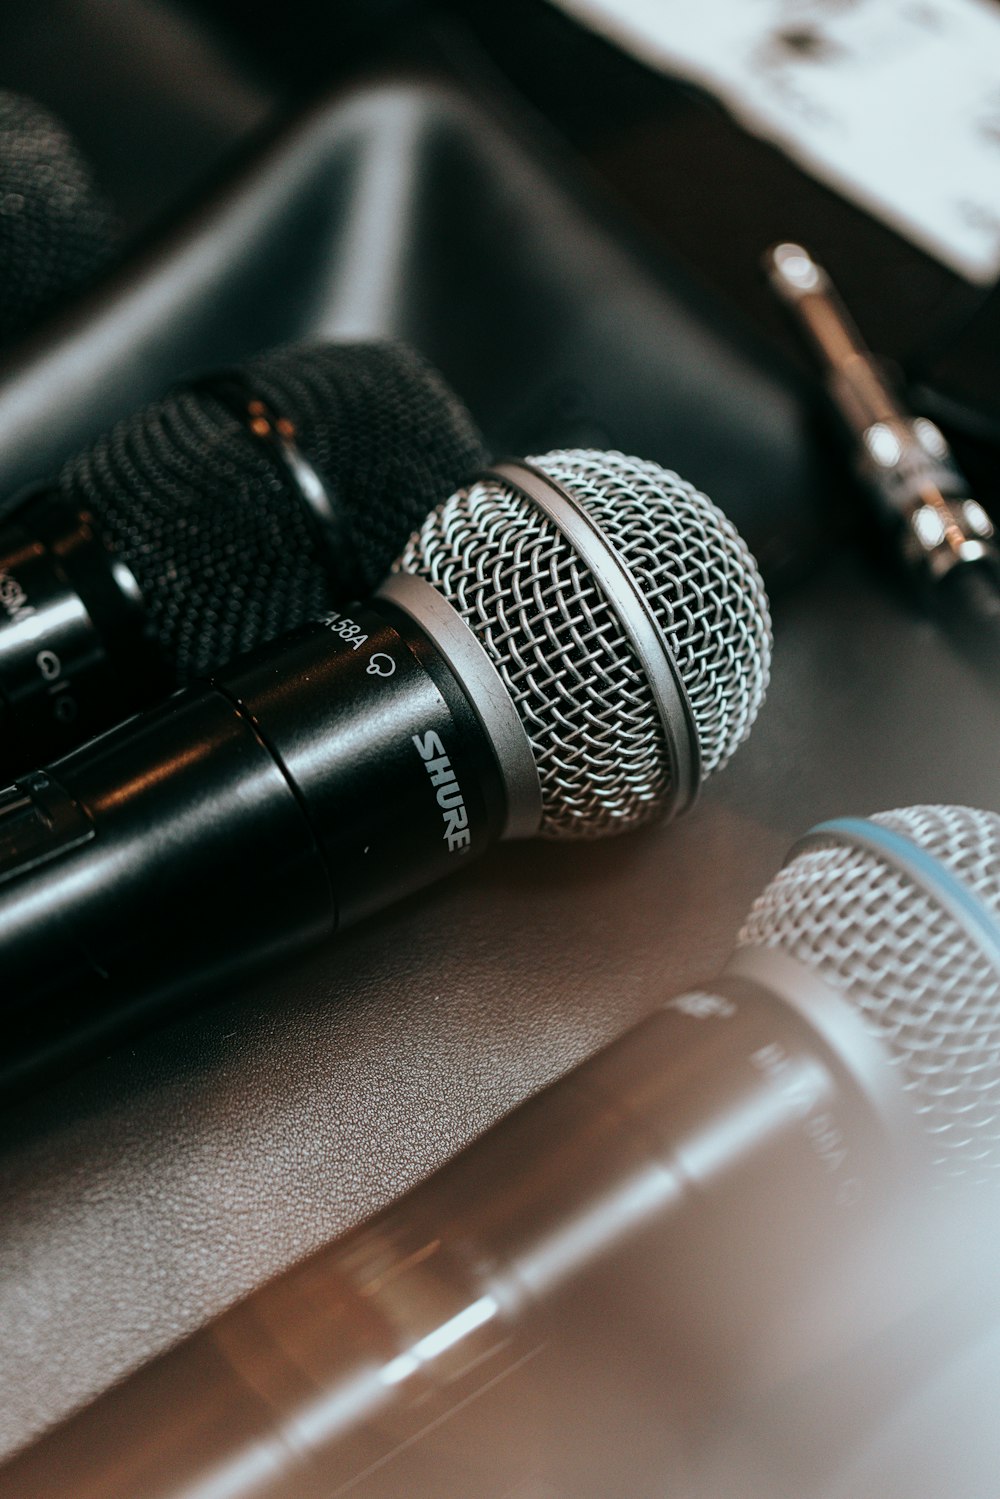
896, 103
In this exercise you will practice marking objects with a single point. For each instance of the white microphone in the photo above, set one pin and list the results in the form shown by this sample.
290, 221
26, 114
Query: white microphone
849, 1049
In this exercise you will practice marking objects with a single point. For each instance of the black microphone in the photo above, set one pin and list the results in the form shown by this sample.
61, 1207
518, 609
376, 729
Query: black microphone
849, 1049
56, 229
567, 647
232, 510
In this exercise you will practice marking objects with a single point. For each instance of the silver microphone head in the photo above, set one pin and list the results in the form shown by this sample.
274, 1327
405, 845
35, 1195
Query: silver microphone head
625, 616
901, 913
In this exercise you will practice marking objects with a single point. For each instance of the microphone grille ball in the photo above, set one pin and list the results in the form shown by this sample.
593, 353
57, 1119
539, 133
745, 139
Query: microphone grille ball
212, 524
561, 649
55, 228
385, 431
926, 988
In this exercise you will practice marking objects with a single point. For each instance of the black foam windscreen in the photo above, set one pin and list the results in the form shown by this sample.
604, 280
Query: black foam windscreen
56, 230
212, 524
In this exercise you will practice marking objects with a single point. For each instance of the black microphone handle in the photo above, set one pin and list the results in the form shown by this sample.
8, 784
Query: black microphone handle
317, 780
237, 507
77, 648
669, 1170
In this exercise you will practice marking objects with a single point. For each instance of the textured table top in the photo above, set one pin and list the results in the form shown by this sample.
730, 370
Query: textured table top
167, 1180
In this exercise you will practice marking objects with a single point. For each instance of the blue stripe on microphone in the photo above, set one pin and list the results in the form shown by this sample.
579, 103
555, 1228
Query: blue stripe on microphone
927, 872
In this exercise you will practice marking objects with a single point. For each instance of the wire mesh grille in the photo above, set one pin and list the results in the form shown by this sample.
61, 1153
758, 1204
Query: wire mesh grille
211, 523
55, 227
925, 989
561, 650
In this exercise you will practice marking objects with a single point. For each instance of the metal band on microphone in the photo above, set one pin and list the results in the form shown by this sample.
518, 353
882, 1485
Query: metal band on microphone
633, 613
278, 434
830, 1016
923, 870
487, 695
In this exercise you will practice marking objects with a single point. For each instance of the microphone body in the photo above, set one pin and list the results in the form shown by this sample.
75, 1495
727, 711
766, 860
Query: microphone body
847, 1052
77, 647
310, 785
725, 1121
519, 674
216, 519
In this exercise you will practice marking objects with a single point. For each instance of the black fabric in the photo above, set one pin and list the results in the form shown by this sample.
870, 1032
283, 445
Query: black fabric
55, 226
210, 521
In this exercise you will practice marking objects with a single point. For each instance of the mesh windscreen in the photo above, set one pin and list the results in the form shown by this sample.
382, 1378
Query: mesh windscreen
924, 987
55, 229
210, 522
560, 648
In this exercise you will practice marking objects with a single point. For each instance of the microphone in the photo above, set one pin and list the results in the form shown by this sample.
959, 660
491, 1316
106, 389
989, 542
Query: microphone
848, 1049
567, 647
56, 230
234, 509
